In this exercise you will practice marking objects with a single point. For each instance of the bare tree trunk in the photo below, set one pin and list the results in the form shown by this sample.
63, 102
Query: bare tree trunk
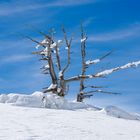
62, 72
80, 96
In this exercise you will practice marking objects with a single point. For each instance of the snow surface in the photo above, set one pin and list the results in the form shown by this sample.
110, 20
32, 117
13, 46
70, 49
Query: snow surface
119, 113
52, 101
64, 120
25, 123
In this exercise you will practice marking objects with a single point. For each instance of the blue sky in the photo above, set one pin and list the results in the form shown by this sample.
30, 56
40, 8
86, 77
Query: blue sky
110, 25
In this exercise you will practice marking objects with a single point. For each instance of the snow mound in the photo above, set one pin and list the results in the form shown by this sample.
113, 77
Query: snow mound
39, 99
119, 113
52, 101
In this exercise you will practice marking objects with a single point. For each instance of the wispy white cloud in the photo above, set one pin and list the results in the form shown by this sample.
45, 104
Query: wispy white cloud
131, 31
12, 8
71, 2
88, 21
14, 58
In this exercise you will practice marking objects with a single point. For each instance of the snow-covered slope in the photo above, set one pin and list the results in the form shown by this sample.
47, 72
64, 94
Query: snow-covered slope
119, 113
26, 123
53, 101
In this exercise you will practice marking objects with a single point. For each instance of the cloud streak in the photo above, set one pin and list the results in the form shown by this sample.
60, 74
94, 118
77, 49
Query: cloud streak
7, 8
14, 58
133, 30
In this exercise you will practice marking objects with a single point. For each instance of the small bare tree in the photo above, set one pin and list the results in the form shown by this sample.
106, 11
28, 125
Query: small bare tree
51, 55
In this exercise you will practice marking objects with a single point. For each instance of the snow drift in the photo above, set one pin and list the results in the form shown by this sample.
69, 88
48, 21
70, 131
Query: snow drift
52, 101
36, 100
119, 113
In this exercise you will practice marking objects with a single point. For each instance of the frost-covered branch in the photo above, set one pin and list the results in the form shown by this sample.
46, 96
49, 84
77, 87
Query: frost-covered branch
47, 53
79, 77
109, 71
103, 73
89, 62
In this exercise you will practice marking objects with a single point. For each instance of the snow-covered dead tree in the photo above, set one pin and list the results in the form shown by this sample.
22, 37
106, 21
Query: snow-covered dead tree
49, 50
50, 53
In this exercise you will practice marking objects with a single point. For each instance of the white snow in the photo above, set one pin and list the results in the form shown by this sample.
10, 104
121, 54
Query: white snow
53, 45
130, 65
119, 113
106, 72
84, 39
56, 102
47, 66
60, 73
90, 76
45, 52
58, 43
44, 42
25, 123
35, 100
92, 61
52, 86
66, 48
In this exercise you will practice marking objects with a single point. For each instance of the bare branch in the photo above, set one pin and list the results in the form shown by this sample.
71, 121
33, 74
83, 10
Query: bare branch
41, 44
94, 87
100, 91
41, 32
106, 55
68, 44
38, 52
